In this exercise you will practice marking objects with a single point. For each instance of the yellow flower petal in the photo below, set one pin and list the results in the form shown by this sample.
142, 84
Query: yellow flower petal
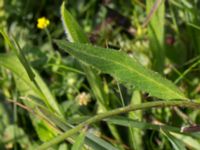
42, 23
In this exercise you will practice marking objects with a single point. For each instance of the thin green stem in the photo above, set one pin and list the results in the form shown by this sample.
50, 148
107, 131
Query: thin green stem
15, 122
187, 71
117, 111
50, 41
67, 68
120, 94
151, 13
49, 37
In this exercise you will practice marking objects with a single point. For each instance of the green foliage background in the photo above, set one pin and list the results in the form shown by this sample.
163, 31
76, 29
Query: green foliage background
119, 53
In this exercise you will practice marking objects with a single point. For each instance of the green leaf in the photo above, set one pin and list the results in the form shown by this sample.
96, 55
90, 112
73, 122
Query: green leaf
135, 134
63, 146
98, 143
79, 141
73, 31
187, 140
13, 134
10, 61
123, 68
123, 121
176, 143
27, 88
19, 53
156, 34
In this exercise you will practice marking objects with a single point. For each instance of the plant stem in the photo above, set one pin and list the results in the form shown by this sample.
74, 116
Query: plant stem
151, 13
117, 111
187, 71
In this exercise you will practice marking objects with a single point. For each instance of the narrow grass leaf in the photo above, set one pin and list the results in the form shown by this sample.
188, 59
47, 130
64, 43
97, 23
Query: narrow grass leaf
99, 144
123, 68
123, 121
73, 31
79, 141
135, 134
26, 87
176, 143
10, 61
188, 140
19, 53
156, 33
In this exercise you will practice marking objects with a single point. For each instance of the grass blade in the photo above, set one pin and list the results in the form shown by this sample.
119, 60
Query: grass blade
176, 144
135, 135
187, 140
122, 121
27, 88
79, 142
156, 33
72, 29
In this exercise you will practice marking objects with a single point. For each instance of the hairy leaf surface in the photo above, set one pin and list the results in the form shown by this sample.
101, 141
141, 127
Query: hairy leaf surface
124, 69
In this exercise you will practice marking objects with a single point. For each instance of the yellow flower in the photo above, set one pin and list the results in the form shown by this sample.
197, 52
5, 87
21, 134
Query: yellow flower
42, 22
